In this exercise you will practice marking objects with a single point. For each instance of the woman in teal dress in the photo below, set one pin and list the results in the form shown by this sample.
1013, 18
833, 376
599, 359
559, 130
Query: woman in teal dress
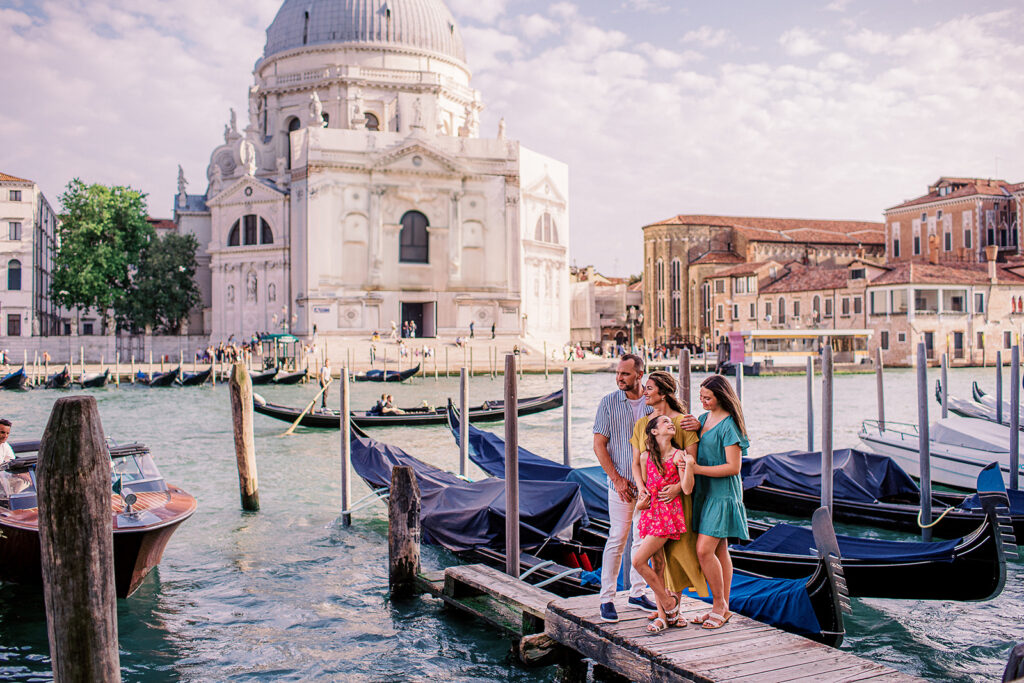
718, 492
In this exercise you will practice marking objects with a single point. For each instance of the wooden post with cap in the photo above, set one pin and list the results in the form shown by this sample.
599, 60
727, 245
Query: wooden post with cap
240, 388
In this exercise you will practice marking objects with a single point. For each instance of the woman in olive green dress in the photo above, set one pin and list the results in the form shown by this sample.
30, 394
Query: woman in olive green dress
718, 492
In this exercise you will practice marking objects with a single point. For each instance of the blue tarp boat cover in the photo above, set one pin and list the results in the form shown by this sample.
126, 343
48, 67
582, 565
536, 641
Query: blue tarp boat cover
783, 603
487, 451
1016, 502
797, 540
858, 476
461, 515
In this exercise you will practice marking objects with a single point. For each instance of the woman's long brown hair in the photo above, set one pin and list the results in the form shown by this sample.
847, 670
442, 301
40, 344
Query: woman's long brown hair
666, 384
652, 443
727, 398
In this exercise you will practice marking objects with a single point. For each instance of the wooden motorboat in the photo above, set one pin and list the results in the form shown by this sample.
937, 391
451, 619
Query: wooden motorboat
141, 530
162, 379
194, 379
96, 380
467, 518
389, 376
868, 489
490, 411
263, 377
14, 380
289, 377
59, 380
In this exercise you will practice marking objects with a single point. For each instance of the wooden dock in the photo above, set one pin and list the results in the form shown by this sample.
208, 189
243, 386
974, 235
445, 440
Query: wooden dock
742, 650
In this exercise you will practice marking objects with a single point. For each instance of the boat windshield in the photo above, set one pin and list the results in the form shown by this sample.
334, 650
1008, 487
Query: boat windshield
18, 488
136, 471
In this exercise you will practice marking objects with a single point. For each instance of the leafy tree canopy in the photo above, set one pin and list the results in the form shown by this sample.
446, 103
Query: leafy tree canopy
164, 286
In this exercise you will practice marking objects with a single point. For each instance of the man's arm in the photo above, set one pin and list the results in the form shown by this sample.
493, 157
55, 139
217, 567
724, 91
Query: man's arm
620, 483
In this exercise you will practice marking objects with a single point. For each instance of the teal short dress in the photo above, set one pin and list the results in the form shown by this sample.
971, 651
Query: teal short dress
718, 501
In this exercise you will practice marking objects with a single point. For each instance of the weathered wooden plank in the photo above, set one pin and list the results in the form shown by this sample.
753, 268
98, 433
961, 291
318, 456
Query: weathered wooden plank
816, 670
740, 649
590, 644
856, 670
770, 665
484, 579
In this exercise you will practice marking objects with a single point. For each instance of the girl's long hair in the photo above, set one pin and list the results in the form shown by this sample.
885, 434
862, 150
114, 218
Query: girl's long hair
727, 398
666, 385
652, 443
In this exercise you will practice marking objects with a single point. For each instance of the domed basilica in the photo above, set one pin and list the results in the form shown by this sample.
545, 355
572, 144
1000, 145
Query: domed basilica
360, 191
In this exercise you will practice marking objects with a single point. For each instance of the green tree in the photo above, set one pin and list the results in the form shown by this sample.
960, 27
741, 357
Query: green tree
164, 287
103, 234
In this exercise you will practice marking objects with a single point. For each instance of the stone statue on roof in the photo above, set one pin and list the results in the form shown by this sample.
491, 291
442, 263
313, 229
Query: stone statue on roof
182, 183
316, 111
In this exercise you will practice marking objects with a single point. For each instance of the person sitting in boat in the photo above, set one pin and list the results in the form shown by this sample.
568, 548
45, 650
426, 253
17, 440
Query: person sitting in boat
6, 452
378, 407
389, 407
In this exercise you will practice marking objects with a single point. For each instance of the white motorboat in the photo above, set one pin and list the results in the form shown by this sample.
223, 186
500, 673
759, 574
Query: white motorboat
960, 448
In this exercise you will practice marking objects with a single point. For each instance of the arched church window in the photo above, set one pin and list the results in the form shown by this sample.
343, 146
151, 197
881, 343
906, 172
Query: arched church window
293, 124
14, 275
249, 229
266, 234
546, 230
244, 231
413, 246
327, 119
372, 122
233, 240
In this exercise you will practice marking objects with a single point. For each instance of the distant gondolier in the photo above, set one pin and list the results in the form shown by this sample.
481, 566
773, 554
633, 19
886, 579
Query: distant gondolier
325, 379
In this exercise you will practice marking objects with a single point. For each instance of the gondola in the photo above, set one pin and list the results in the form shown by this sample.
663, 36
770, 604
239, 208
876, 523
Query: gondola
289, 377
194, 379
868, 489
59, 380
144, 515
96, 380
971, 568
990, 402
264, 377
389, 376
966, 408
467, 518
163, 379
487, 412
14, 380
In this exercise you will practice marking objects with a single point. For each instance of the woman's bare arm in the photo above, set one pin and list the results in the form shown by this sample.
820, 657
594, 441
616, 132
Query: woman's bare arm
733, 457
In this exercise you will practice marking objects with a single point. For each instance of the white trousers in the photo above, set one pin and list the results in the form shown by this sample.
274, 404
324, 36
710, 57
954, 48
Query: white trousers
622, 517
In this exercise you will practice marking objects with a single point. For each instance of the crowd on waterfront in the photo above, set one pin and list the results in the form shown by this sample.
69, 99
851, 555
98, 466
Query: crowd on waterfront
674, 480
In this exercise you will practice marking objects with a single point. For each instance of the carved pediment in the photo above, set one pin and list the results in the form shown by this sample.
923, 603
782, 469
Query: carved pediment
545, 189
417, 157
246, 189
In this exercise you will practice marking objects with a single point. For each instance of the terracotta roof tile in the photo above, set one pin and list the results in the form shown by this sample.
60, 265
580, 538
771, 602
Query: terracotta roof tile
717, 257
790, 229
743, 269
809, 279
7, 178
971, 187
162, 223
944, 273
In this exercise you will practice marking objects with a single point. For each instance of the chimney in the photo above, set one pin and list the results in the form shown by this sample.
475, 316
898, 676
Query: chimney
990, 255
933, 249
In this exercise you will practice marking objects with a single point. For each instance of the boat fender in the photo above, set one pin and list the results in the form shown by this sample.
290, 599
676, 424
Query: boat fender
258, 399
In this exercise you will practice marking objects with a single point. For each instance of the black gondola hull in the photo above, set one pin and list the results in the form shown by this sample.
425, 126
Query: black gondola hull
389, 376
61, 380
290, 377
96, 381
264, 377
15, 380
196, 379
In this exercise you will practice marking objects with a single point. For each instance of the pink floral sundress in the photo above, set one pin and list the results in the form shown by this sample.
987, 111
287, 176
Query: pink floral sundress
664, 520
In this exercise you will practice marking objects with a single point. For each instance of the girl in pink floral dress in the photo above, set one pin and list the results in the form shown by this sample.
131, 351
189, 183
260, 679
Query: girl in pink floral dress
662, 465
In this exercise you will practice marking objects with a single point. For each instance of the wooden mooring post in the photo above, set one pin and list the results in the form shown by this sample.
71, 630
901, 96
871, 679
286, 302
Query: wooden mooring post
463, 422
810, 404
879, 388
511, 468
403, 532
240, 388
77, 543
566, 416
684, 377
924, 442
1014, 417
346, 449
945, 385
826, 427
999, 387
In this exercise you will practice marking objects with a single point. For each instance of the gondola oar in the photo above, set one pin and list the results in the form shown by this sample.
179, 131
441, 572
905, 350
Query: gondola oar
307, 408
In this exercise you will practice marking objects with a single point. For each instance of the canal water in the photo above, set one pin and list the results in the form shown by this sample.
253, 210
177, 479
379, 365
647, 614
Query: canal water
287, 594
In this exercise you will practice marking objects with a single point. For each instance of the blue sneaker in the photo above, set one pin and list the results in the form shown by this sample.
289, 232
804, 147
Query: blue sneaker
643, 603
608, 612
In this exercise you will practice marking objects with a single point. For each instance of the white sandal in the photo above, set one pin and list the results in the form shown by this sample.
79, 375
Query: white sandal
657, 626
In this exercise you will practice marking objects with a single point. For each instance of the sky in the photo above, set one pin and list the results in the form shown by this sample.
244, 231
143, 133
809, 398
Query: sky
832, 109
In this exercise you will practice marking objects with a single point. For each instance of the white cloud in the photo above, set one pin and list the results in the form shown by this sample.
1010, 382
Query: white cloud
534, 27
651, 6
838, 5
484, 11
484, 45
705, 36
797, 42
668, 59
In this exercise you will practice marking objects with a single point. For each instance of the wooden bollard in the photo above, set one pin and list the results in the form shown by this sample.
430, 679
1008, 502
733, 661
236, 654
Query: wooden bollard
245, 449
77, 543
403, 532
511, 468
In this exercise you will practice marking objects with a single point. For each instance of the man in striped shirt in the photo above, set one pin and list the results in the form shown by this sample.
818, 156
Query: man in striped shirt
613, 426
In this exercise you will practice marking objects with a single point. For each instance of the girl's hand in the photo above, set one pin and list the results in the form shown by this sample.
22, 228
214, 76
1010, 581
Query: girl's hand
644, 500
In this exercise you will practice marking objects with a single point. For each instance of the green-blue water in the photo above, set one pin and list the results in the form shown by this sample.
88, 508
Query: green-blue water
285, 594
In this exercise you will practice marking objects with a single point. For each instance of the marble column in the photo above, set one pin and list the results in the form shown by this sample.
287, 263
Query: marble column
376, 251
455, 237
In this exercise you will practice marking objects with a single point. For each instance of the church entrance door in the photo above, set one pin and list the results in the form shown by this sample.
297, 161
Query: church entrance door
423, 314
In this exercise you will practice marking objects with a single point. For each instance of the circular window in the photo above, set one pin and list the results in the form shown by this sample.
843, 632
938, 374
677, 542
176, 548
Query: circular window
417, 161
248, 192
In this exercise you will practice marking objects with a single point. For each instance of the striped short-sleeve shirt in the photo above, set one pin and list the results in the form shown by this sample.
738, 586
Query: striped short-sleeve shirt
615, 420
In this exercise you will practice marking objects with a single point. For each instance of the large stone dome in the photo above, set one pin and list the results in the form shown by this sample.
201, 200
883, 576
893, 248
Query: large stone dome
421, 24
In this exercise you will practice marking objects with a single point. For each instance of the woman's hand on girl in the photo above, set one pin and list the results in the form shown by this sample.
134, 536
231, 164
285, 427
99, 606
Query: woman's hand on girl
667, 493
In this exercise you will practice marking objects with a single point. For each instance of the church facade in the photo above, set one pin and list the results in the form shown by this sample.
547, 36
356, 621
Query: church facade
361, 193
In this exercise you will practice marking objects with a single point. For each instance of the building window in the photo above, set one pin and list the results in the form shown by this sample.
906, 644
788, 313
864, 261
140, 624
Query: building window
244, 231
293, 125
87, 329
845, 307
1007, 340
981, 340
901, 337
896, 247
917, 245
753, 310
719, 286
739, 285
676, 275
858, 305
677, 310
720, 313
372, 122
967, 238
782, 310
661, 310
751, 284
816, 306
546, 230
796, 308
858, 274
735, 311
14, 230
15, 195
828, 308
885, 340
14, 275
413, 240
767, 310
13, 324
947, 241
979, 304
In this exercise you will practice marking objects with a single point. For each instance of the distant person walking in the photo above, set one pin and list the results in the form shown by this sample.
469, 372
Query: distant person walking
324, 379
492, 330
471, 324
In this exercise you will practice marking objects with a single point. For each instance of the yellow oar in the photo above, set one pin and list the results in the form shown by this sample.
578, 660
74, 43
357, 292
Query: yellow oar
303, 413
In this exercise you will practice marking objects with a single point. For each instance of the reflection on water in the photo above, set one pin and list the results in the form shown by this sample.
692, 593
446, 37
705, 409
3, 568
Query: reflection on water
286, 594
